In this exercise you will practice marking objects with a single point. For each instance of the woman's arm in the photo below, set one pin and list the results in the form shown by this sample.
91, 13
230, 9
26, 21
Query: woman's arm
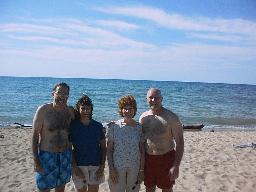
112, 170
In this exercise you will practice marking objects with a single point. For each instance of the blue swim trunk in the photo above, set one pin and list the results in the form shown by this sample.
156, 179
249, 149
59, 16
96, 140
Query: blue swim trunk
57, 169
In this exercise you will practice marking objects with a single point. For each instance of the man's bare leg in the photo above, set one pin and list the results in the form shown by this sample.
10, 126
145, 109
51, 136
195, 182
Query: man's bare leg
60, 188
152, 189
167, 190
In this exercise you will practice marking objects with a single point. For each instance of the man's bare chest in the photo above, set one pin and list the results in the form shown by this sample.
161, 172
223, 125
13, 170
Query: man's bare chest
155, 125
57, 120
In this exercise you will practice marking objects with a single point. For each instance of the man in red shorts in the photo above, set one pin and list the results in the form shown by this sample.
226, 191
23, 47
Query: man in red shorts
162, 129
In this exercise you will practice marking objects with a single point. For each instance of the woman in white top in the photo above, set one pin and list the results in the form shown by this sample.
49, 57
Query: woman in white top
125, 150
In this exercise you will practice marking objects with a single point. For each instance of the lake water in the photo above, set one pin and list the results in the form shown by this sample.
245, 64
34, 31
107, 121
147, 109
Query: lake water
216, 105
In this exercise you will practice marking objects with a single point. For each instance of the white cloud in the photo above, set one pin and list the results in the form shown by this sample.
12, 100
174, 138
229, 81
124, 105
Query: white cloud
72, 32
214, 36
242, 40
184, 62
242, 30
176, 21
32, 28
117, 24
182, 54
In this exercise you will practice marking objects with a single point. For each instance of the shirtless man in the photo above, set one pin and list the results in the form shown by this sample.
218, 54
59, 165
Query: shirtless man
50, 144
161, 128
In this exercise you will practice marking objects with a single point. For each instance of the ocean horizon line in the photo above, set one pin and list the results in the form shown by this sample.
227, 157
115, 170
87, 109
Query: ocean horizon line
93, 78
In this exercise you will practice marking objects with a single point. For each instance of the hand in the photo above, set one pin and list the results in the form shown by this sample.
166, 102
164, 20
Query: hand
140, 176
99, 172
174, 173
113, 174
78, 172
38, 168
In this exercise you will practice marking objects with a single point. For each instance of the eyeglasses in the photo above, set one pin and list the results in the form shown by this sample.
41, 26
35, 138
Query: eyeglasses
128, 108
85, 108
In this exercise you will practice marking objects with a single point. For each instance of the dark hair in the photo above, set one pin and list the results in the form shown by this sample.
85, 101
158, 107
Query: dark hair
83, 101
127, 100
61, 84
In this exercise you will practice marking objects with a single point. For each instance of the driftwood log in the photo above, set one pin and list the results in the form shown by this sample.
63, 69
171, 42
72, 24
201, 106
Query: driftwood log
193, 127
22, 125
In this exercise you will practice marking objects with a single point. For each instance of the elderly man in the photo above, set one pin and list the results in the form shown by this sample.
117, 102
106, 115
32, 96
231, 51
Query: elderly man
50, 144
164, 144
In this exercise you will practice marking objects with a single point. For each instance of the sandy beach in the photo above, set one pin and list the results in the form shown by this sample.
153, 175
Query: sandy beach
210, 162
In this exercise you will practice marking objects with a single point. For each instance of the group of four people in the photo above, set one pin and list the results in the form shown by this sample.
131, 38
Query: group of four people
67, 141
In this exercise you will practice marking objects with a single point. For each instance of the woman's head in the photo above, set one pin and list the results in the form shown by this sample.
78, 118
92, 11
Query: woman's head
127, 104
84, 106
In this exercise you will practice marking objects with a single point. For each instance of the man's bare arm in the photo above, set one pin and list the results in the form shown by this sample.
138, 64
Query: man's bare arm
177, 131
37, 127
72, 112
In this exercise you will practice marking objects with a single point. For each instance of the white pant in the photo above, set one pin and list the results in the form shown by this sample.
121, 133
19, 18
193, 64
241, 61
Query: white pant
127, 179
90, 178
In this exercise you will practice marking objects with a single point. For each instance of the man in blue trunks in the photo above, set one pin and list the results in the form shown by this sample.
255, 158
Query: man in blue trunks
50, 145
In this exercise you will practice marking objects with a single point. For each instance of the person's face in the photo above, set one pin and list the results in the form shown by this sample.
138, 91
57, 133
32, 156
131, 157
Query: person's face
128, 111
60, 96
85, 111
154, 99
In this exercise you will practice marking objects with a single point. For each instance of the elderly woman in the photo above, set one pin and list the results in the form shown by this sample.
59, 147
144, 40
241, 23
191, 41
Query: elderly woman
125, 151
89, 148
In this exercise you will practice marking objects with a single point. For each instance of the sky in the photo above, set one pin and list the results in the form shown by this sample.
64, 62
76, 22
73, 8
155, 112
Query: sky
173, 40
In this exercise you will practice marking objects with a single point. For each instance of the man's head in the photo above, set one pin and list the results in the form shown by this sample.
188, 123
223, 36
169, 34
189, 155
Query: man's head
84, 107
60, 93
154, 98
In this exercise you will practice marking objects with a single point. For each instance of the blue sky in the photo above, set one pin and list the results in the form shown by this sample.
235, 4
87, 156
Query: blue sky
188, 40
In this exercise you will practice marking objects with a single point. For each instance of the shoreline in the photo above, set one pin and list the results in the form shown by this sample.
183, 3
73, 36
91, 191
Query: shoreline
210, 162
206, 128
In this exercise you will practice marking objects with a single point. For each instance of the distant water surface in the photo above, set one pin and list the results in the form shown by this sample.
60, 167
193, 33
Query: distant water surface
214, 104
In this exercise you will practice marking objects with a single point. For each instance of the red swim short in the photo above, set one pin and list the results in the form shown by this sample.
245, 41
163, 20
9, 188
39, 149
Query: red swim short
157, 170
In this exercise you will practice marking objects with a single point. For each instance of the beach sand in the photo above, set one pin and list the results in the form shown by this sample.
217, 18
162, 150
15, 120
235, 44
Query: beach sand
210, 162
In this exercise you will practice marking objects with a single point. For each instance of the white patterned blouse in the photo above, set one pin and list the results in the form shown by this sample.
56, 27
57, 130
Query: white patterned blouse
126, 153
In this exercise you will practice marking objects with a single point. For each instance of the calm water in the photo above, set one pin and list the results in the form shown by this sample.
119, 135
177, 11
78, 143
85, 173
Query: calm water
215, 105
